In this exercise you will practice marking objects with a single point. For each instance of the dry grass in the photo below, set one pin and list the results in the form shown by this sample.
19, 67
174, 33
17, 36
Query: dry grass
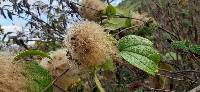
140, 18
11, 76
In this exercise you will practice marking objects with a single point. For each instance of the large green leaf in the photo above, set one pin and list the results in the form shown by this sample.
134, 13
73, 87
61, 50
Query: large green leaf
140, 62
139, 52
146, 51
133, 40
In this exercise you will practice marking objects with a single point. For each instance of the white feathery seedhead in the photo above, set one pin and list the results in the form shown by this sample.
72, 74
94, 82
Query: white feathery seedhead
88, 44
91, 9
59, 64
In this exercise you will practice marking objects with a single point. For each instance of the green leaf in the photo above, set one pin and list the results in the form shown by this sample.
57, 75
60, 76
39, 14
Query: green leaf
195, 49
115, 23
133, 40
110, 11
146, 51
186, 46
28, 53
37, 77
139, 52
140, 62
181, 45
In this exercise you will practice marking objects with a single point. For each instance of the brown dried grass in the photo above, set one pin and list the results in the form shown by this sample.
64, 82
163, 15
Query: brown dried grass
11, 75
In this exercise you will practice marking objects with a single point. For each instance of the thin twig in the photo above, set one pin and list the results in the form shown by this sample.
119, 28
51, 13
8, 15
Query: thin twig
178, 79
195, 71
159, 27
61, 89
125, 30
156, 90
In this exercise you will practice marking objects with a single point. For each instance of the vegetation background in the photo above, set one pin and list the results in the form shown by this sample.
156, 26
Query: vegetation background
98, 46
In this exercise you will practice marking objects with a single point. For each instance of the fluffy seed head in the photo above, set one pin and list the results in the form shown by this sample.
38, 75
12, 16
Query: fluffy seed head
90, 9
88, 44
59, 64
